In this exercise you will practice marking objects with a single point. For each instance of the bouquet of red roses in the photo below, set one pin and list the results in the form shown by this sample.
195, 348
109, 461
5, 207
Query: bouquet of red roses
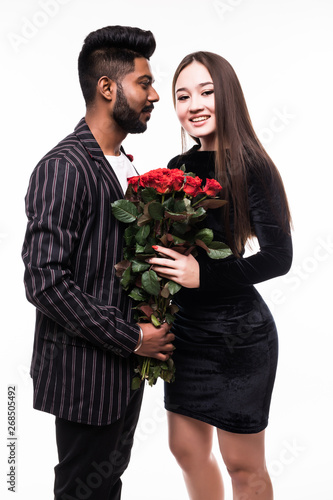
163, 207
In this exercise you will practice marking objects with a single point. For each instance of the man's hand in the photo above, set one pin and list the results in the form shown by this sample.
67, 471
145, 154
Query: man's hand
156, 342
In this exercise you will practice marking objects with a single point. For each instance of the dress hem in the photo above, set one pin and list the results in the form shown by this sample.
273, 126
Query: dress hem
219, 425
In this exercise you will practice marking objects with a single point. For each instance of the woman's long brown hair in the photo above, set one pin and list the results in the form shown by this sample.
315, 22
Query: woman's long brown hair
237, 147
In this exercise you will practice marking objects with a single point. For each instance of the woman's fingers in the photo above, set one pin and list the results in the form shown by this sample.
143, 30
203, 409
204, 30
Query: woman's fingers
167, 251
172, 262
164, 274
183, 269
165, 263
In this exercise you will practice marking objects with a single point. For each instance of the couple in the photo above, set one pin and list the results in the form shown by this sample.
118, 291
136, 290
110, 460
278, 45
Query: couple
225, 337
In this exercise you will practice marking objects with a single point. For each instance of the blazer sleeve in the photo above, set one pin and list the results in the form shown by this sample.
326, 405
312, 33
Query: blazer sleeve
55, 207
275, 255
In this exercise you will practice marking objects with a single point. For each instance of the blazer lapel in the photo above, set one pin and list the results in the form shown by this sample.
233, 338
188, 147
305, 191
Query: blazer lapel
89, 142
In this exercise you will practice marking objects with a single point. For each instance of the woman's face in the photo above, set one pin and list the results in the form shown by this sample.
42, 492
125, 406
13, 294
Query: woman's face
195, 104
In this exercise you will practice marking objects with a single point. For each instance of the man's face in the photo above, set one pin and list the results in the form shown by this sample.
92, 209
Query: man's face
134, 99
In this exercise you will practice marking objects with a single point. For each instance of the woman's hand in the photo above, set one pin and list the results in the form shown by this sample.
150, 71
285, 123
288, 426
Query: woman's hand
183, 269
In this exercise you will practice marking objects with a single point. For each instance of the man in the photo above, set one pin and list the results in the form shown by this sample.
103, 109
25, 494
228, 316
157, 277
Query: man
84, 339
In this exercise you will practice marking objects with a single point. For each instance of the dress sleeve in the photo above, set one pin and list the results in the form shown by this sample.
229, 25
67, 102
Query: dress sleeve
56, 207
275, 255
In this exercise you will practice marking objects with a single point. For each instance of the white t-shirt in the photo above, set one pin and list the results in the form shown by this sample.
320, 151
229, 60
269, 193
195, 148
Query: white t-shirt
123, 168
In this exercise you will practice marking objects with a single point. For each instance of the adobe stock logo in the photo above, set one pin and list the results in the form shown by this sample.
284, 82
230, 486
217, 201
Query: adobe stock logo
31, 27
223, 8
279, 121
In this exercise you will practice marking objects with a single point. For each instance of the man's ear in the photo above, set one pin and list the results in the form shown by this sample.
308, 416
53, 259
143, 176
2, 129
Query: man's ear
106, 88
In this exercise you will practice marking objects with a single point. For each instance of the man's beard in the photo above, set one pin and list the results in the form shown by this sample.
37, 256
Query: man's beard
127, 118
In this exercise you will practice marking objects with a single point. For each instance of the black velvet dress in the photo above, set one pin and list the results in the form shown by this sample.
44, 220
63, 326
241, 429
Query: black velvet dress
226, 340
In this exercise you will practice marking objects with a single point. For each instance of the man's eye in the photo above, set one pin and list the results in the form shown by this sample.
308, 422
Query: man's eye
145, 84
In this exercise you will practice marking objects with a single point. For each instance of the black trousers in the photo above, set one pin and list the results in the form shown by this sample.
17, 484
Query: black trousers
93, 458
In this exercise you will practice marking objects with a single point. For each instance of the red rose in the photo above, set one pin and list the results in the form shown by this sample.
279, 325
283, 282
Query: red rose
192, 186
147, 180
130, 157
160, 179
134, 181
177, 179
212, 187
163, 181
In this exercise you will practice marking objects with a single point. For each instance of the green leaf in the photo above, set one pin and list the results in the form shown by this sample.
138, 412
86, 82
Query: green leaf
180, 228
121, 267
201, 244
188, 204
150, 282
171, 364
176, 217
167, 376
206, 235
142, 235
137, 294
143, 220
173, 287
156, 371
177, 240
124, 210
148, 249
155, 321
212, 203
136, 382
128, 253
148, 194
139, 267
129, 234
169, 203
126, 278
146, 309
139, 248
152, 381
174, 309
179, 206
156, 210
169, 318
144, 256
201, 212
218, 250
165, 292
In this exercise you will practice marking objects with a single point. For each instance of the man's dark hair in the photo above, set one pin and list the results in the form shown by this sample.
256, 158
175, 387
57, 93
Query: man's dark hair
110, 52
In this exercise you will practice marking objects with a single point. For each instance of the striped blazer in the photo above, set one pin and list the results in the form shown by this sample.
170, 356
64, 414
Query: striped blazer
84, 335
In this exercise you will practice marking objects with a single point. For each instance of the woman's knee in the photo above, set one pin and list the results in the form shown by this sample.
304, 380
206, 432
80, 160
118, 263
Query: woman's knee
239, 475
247, 476
181, 449
243, 455
190, 442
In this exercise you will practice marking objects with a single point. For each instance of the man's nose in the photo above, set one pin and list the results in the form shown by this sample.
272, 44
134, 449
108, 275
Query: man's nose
153, 95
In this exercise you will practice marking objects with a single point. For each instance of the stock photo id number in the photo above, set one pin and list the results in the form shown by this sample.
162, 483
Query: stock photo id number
11, 438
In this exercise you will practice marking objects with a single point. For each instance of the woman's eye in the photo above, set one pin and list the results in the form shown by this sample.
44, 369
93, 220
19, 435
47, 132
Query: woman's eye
208, 92
183, 97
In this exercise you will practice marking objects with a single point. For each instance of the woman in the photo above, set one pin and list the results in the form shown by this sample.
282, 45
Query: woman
226, 340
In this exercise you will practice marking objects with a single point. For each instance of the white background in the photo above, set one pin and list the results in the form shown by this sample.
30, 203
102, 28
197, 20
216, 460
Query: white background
281, 51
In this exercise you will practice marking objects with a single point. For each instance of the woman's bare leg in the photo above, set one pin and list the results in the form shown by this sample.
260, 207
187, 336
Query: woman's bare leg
191, 443
244, 457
